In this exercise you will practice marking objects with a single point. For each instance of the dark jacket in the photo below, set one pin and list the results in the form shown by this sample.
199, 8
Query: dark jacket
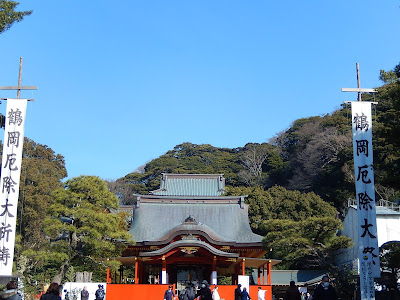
50, 297
238, 293
190, 293
292, 293
84, 295
169, 295
205, 293
10, 295
321, 293
244, 295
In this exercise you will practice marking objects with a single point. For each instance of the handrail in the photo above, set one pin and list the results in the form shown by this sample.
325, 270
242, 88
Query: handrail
380, 203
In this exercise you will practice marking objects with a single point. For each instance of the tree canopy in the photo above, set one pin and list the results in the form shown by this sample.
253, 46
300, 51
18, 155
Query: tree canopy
9, 16
41, 173
299, 228
280, 203
305, 244
390, 260
81, 223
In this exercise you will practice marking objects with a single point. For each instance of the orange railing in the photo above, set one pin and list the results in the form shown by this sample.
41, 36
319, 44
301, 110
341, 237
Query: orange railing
156, 291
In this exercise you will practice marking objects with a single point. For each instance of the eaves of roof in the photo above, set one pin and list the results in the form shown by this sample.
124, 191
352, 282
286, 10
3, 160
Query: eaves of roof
189, 243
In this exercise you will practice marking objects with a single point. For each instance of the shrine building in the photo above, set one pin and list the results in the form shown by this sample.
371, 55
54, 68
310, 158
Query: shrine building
188, 231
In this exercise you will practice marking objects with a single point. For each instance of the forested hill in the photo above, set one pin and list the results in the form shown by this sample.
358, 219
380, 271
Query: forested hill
314, 154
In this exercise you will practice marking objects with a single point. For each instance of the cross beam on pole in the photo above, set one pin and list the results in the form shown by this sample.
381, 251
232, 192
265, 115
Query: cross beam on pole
19, 87
359, 90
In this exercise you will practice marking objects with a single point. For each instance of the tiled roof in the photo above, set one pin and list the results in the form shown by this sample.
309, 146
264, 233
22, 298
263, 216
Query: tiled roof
222, 218
152, 221
191, 185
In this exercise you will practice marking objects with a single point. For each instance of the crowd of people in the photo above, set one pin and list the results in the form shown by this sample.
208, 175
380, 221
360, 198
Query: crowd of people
52, 293
324, 291
192, 291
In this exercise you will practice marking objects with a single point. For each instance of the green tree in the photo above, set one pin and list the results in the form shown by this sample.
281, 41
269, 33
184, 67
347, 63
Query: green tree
316, 152
300, 228
81, 225
8, 14
391, 76
186, 158
41, 174
280, 203
388, 76
390, 261
386, 132
306, 244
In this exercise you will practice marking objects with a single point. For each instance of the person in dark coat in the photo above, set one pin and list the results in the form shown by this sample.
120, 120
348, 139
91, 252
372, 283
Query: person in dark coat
238, 292
204, 292
169, 294
12, 292
324, 290
84, 293
190, 293
52, 293
292, 293
244, 295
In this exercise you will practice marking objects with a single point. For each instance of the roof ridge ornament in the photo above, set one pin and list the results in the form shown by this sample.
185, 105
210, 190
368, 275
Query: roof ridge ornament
191, 237
191, 220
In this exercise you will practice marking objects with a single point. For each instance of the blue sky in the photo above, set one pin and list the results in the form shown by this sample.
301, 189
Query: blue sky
122, 82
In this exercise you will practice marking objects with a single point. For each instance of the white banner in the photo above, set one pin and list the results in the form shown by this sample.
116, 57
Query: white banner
365, 195
10, 180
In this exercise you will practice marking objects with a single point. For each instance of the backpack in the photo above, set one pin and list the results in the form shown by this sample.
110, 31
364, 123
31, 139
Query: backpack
183, 295
190, 293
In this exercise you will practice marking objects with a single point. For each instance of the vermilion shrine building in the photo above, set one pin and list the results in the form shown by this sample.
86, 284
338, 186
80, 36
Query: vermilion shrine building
187, 231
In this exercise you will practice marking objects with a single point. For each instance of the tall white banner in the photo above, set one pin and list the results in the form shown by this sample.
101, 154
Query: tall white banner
365, 194
10, 180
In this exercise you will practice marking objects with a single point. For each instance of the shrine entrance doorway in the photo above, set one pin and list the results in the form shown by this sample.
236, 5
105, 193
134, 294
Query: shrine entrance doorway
183, 275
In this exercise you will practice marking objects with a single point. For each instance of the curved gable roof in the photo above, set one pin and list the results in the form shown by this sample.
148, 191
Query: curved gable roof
154, 221
193, 227
183, 243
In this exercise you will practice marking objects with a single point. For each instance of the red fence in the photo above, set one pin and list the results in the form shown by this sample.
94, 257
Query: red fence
156, 291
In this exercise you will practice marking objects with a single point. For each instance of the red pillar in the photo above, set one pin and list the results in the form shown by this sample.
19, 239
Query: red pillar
269, 273
108, 275
243, 266
136, 271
